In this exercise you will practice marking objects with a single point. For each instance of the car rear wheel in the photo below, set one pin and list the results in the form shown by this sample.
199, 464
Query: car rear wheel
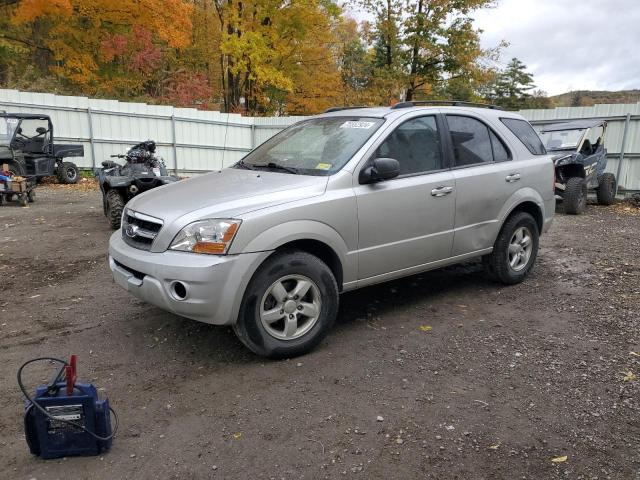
115, 205
607, 189
515, 250
289, 306
575, 196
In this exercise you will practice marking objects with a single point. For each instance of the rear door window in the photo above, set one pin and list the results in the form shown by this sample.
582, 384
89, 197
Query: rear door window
471, 141
500, 152
526, 134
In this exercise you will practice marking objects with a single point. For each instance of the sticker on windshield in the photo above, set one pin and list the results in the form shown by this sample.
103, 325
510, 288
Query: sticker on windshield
323, 166
353, 124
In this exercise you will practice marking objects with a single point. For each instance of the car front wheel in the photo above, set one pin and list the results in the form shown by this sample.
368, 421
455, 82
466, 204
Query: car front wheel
289, 306
515, 250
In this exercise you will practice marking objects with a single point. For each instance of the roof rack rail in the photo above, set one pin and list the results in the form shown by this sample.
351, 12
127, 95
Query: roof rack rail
443, 103
339, 109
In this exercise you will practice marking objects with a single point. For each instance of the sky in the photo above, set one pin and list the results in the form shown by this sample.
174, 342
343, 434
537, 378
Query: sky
567, 44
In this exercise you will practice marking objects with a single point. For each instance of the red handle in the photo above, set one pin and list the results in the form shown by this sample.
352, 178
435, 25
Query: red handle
70, 374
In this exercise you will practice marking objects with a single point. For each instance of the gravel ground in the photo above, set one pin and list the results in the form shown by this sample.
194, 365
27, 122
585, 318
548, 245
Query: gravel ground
442, 375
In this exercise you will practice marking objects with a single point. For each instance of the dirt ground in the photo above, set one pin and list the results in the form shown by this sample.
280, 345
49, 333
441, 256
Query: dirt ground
443, 375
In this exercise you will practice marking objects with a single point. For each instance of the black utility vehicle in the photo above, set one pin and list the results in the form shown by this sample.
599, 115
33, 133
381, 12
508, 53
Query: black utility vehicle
28, 147
580, 161
142, 171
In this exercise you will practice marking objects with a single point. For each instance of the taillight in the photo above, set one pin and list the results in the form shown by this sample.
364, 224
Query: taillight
553, 185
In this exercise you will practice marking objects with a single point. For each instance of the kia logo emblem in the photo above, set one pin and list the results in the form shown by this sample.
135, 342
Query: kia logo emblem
131, 230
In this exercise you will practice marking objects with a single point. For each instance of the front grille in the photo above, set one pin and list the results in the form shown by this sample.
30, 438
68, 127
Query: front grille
139, 230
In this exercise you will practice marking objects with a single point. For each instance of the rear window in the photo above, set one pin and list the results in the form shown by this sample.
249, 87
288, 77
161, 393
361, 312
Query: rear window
526, 134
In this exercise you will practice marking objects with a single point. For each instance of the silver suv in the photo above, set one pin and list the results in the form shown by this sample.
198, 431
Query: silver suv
340, 201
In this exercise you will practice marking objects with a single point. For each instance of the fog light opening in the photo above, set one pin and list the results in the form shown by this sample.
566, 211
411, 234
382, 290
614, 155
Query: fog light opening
179, 290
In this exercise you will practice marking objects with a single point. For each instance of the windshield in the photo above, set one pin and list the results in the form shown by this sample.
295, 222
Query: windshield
562, 139
7, 126
319, 146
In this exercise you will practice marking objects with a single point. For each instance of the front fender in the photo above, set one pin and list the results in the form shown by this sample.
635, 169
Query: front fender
287, 232
117, 181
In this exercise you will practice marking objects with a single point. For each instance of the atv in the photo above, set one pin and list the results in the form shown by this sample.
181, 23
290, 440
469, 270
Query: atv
580, 161
28, 147
142, 171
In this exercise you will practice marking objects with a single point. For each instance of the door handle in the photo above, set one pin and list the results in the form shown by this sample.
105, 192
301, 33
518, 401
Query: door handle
441, 191
514, 177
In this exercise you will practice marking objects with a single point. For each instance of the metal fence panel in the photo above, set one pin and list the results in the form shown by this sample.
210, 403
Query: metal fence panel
190, 141
195, 141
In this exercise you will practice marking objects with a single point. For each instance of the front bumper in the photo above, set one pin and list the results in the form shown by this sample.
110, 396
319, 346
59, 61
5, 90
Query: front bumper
214, 285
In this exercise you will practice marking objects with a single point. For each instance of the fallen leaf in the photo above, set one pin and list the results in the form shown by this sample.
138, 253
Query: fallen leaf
559, 459
237, 435
629, 377
426, 328
495, 446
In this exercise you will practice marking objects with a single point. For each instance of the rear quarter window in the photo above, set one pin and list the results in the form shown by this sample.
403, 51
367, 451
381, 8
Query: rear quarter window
526, 134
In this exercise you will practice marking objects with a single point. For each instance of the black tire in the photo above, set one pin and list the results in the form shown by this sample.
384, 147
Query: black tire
115, 205
31, 196
249, 327
575, 196
497, 263
68, 173
607, 189
23, 200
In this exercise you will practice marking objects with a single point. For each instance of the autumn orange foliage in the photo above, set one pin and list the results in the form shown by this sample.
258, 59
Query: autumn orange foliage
261, 57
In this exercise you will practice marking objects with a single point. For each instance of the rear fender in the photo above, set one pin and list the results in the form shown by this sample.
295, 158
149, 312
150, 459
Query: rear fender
520, 197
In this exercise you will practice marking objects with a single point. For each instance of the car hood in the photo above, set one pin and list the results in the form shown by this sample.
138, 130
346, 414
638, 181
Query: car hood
227, 193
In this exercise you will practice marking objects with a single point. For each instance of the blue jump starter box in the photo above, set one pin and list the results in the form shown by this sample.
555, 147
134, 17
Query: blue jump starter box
53, 436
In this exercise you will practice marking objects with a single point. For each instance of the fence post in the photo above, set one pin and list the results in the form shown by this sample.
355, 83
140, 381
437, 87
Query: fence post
91, 140
173, 140
627, 122
253, 134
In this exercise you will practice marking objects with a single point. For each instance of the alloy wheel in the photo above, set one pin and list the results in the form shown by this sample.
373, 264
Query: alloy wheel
290, 307
520, 249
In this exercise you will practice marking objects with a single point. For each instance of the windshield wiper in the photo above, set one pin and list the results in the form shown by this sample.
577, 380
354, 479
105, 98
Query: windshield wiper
243, 164
277, 166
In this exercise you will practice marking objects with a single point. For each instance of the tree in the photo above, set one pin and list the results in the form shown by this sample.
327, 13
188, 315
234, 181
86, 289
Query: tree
512, 86
104, 46
268, 44
427, 48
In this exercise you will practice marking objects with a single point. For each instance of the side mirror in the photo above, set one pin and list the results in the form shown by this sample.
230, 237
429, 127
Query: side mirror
380, 169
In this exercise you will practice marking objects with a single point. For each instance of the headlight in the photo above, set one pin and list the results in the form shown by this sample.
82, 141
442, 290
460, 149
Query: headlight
212, 236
